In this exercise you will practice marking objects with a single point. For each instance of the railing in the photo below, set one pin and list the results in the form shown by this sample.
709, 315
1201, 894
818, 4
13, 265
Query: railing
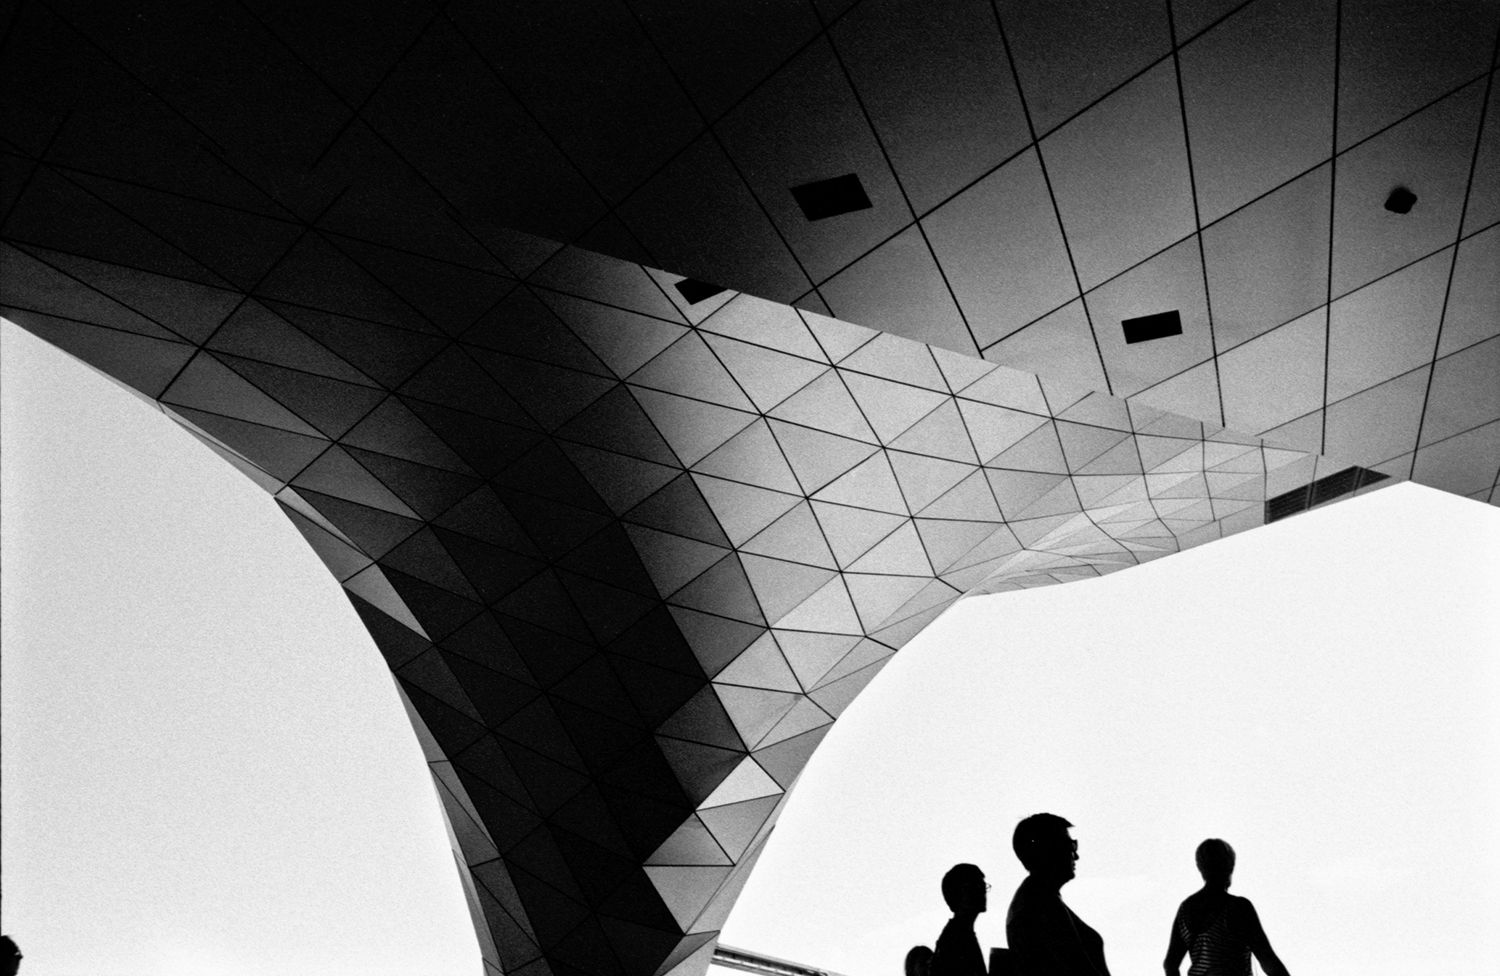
753, 962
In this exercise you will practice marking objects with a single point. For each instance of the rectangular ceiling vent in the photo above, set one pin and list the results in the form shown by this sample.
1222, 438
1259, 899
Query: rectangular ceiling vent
1320, 491
831, 198
1148, 327
694, 291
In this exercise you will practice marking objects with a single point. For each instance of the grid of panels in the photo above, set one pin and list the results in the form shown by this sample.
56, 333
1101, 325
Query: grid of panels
629, 555
326, 295
1036, 174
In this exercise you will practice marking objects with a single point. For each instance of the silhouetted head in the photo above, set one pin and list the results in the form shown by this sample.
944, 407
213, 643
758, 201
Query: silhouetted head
965, 890
1043, 844
919, 961
1215, 862
10, 956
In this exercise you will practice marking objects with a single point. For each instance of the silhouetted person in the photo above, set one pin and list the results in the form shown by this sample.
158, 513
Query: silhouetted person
1220, 930
919, 961
957, 951
1046, 938
10, 956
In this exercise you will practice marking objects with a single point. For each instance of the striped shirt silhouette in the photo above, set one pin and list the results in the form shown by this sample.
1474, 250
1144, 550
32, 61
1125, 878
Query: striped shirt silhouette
1218, 930
1215, 934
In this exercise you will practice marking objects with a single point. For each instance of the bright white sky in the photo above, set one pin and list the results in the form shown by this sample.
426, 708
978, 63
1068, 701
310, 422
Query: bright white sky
207, 773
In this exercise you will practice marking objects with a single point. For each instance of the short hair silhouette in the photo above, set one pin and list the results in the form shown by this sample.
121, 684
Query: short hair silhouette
1215, 859
954, 881
919, 961
1031, 834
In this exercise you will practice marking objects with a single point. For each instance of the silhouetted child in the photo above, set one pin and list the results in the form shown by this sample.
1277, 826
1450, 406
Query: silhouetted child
1220, 930
1046, 938
957, 952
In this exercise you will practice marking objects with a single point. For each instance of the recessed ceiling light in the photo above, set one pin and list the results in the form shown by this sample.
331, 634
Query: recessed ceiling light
1400, 200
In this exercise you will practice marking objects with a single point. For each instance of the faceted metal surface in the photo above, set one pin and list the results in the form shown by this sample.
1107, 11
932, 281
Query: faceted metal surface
630, 557
1037, 174
630, 549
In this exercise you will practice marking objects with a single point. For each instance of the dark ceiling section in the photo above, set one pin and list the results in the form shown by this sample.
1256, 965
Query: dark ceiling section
1034, 172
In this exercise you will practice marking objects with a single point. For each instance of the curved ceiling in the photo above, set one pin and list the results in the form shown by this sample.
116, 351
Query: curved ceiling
1036, 173
398, 265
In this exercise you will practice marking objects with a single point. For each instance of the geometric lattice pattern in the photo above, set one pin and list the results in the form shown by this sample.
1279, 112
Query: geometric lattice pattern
630, 557
1037, 174
631, 542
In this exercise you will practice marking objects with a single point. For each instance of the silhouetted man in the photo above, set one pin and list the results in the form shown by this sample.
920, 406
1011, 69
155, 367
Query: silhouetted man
1219, 929
10, 956
957, 952
1046, 938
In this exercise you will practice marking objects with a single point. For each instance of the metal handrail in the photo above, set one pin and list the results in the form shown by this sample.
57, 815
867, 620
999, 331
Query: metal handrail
762, 965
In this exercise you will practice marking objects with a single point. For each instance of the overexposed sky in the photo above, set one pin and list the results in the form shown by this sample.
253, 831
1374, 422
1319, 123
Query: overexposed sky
207, 773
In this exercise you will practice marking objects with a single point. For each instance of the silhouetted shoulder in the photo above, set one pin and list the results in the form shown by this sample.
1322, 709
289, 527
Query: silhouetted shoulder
1200, 910
1242, 916
957, 952
1033, 918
